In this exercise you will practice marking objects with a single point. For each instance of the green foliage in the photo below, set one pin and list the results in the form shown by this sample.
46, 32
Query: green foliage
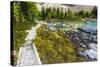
15, 12
22, 15
87, 14
70, 14
59, 14
23, 11
82, 13
19, 39
94, 12
29, 10
53, 47
43, 13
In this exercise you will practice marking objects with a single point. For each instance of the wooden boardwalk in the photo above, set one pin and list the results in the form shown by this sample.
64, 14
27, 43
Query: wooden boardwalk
28, 54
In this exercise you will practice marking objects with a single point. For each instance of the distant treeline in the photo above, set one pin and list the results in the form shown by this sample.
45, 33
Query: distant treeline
23, 11
60, 14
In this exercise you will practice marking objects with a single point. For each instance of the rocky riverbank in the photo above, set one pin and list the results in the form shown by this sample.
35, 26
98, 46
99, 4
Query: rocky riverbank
86, 44
83, 35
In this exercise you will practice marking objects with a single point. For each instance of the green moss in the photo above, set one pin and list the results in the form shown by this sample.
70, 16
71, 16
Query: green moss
54, 49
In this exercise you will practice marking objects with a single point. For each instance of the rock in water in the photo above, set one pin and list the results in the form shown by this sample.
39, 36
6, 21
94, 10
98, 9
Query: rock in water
91, 54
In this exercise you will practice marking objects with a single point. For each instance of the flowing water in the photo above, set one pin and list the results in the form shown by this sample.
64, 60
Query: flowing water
90, 23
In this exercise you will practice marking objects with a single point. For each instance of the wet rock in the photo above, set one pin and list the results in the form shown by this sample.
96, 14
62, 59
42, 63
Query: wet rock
92, 54
86, 44
93, 46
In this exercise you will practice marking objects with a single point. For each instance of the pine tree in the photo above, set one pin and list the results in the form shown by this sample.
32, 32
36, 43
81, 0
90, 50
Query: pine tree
87, 14
94, 12
81, 13
69, 16
43, 13
15, 11
65, 15
58, 13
